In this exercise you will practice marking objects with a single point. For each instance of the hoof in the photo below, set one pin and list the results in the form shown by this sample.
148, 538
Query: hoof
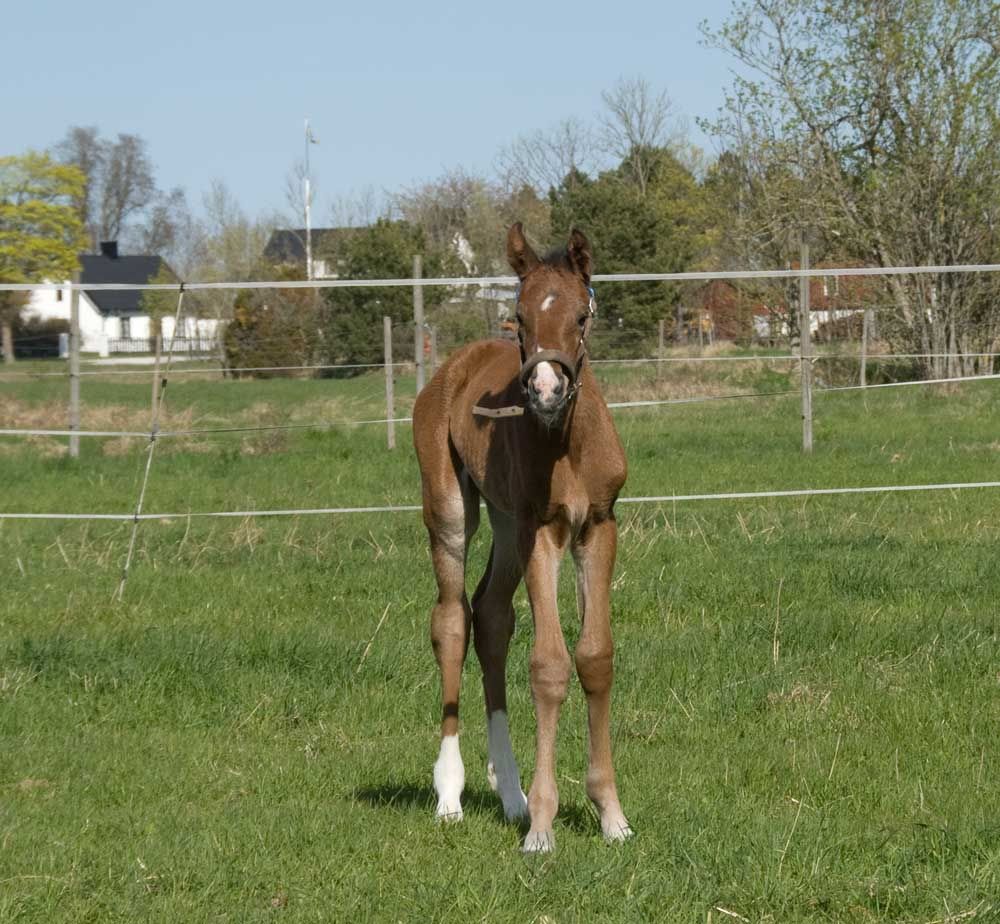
449, 812
515, 807
515, 802
539, 842
616, 833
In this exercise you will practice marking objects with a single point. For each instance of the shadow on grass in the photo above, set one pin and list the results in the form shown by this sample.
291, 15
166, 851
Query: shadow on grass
408, 796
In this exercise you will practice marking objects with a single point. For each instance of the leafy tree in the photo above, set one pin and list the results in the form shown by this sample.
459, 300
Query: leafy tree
351, 319
874, 127
40, 231
653, 226
272, 328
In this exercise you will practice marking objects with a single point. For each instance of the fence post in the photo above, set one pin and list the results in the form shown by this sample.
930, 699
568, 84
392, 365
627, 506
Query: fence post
7, 335
387, 351
158, 349
805, 351
865, 324
418, 322
74, 367
659, 351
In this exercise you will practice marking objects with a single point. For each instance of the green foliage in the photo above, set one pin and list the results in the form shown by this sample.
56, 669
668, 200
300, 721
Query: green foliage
159, 304
271, 328
658, 230
40, 231
351, 319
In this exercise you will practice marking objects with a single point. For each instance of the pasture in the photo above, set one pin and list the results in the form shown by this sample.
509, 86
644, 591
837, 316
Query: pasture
807, 704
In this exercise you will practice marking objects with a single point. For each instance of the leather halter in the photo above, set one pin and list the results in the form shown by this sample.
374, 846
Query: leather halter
572, 366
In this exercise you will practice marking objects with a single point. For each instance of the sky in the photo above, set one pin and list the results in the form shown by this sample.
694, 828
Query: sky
397, 93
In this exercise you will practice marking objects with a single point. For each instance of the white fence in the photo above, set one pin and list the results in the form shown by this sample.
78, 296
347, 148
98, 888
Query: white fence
161, 373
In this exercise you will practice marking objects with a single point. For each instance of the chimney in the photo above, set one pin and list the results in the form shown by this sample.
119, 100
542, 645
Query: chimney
109, 249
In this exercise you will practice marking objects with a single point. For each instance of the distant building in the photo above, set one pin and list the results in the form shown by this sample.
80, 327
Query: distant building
836, 303
115, 321
287, 247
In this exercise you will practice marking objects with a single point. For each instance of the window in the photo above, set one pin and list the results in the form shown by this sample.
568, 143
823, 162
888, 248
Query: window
58, 295
126, 328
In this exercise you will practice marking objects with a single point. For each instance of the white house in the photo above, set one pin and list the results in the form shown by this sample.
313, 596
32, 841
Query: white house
115, 321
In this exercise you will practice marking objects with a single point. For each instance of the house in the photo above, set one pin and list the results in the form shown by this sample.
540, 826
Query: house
836, 304
287, 247
116, 321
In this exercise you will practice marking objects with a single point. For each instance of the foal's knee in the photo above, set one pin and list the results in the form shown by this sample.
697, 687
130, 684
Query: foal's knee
595, 667
449, 631
550, 676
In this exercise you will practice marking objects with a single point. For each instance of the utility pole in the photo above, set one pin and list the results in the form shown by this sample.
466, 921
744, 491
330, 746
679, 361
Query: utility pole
307, 194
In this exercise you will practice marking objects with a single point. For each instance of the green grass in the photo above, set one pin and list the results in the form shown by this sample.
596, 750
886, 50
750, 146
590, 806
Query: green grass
807, 705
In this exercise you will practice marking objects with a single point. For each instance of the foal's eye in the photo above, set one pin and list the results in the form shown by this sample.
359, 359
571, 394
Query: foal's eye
582, 321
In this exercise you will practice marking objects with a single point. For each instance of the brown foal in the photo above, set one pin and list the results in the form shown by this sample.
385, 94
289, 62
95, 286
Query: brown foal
549, 476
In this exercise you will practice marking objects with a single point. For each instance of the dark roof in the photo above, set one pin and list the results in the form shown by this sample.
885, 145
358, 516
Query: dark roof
288, 245
137, 270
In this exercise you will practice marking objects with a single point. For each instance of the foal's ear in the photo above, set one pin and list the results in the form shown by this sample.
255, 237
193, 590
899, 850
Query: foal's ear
521, 257
578, 251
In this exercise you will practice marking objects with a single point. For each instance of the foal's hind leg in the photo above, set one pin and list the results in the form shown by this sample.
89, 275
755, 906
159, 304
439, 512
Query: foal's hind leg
451, 513
493, 625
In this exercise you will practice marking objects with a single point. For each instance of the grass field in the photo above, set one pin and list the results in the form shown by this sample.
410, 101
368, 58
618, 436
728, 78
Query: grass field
807, 706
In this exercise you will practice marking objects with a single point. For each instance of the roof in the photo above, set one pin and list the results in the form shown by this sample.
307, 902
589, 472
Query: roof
134, 270
288, 245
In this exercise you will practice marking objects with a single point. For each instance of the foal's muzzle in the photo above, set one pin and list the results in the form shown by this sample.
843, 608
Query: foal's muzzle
552, 404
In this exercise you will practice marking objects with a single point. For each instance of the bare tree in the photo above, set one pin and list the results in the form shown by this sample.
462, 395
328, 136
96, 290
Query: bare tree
636, 122
127, 185
545, 159
82, 147
170, 230
119, 180
359, 209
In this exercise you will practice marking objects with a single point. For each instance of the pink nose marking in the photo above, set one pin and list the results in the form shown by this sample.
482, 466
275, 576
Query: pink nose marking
545, 380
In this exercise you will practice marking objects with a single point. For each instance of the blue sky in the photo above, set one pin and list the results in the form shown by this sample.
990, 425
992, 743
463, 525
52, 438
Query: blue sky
397, 92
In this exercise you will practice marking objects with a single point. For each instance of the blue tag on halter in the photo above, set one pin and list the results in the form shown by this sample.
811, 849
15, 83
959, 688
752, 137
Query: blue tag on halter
593, 301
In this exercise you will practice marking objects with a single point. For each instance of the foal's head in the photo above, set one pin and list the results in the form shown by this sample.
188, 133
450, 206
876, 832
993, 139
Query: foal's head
554, 310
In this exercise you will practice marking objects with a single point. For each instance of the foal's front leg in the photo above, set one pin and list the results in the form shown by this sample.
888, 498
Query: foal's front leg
594, 554
550, 669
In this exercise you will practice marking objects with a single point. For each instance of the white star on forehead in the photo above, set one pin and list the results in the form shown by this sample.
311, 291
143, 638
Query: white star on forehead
547, 304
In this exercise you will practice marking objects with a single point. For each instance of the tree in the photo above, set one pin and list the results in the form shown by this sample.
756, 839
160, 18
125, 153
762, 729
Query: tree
544, 159
351, 318
656, 230
874, 127
467, 216
40, 231
119, 184
635, 125
272, 328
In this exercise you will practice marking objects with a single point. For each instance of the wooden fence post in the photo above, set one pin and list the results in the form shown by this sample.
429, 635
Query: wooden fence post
865, 328
387, 350
659, 351
74, 367
158, 351
418, 322
805, 351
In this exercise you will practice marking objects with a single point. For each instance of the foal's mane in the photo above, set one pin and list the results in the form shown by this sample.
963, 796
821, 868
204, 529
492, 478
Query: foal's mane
558, 258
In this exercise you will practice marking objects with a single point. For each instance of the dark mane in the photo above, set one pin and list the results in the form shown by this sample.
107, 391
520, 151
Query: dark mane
558, 258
